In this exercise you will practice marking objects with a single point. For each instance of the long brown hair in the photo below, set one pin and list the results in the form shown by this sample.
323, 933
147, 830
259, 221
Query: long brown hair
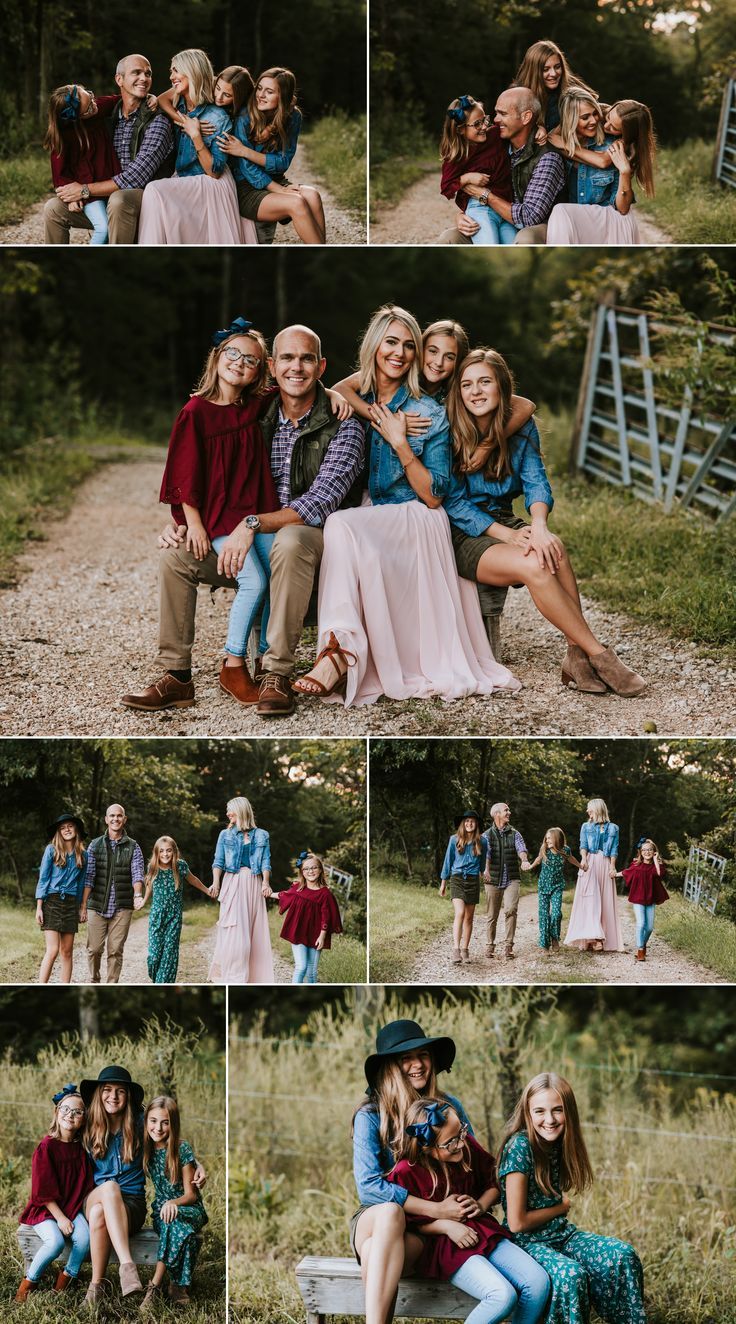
531, 72
472, 839
446, 327
392, 1096
241, 81
575, 1170
640, 144
559, 841
301, 881
54, 140
208, 385
273, 123
173, 1162
154, 864
61, 848
418, 1154
454, 145
463, 427
97, 1133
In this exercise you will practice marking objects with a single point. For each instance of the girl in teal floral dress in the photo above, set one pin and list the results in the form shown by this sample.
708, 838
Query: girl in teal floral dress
553, 853
542, 1156
165, 875
177, 1209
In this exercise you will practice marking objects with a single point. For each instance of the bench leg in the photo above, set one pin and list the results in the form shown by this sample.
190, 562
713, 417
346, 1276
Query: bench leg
314, 1318
493, 630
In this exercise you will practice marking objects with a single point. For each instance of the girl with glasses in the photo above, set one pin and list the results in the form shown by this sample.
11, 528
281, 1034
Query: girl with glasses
475, 161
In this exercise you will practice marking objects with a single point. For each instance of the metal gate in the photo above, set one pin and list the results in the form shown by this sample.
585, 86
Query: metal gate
704, 878
724, 165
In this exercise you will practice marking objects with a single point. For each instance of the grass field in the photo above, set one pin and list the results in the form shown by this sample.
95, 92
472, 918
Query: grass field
688, 205
709, 939
23, 181
391, 177
344, 963
337, 148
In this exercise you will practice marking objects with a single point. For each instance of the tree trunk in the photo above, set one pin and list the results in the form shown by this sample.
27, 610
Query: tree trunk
281, 291
396, 827
226, 278
258, 43
12, 862
43, 61
89, 1012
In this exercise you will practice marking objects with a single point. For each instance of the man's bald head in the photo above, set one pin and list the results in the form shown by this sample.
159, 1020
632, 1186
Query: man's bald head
134, 77
297, 329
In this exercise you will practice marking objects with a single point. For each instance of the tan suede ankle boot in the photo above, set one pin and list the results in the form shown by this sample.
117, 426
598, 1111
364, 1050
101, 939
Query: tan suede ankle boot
577, 671
617, 676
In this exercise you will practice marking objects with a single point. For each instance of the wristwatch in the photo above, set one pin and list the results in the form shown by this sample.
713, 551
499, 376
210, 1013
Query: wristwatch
252, 522
484, 197
85, 192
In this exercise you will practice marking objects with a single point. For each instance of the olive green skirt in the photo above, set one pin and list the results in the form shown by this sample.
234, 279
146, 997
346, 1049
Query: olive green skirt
468, 550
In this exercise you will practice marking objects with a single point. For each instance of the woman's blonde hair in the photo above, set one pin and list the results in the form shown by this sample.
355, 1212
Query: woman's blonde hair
447, 327
97, 1133
640, 144
208, 386
417, 1154
301, 881
61, 848
392, 1095
53, 140
575, 1170
154, 864
55, 1128
559, 841
374, 334
454, 145
570, 104
243, 810
197, 69
274, 123
472, 838
531, 72
599, 809
240, 80
173, 1162
463, 427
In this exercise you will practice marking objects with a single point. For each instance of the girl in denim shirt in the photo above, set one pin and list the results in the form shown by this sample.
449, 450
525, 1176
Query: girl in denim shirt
495, 546
59, 892
241, 872
392, 617
594, 921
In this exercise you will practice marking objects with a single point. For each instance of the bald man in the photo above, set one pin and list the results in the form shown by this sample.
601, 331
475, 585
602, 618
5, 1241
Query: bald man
144, 142
317, 466
113, 889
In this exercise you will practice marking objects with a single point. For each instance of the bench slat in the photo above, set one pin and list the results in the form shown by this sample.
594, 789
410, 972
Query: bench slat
144, 1246
333, 1286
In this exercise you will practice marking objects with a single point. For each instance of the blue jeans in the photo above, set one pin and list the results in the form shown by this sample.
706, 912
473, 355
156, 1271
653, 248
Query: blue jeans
507, 1283
252, 583
644, 923
96, 213
53, 1244
493, 228
306, 960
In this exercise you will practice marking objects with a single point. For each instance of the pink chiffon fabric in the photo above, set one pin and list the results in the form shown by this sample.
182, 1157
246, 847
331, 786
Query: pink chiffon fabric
194, 209
390, 590
594, 914
243, 952
575, 223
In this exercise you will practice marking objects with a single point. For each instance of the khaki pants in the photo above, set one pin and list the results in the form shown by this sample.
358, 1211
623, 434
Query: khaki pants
114, 932
123, 210
179, 576
532, 234
498, 899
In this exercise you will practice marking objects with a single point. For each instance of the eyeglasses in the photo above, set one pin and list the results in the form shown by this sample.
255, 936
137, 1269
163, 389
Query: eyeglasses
71, 1112
234, 355
454, 1143
479, 124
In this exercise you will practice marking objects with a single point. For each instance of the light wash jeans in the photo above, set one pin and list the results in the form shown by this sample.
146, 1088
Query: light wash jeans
306, 961
508, 1284
493, 228
252, 592
53, 1244
644, 923
96, 213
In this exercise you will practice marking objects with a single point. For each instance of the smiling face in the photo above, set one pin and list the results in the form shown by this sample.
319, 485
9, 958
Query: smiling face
476, 125
68, 831
417, 1067
267, 94
235, 373
158, 1125
439, 359
223, 93
502, 817
552, 72
547, 1114
135, 78
87, 103
70, 1114
396, 352
508, 117
647, 851
479, 390
115, 820
588, 120
613, 122
311, 870
470, 825
450, 1147
165, 854
179, 81
296, 363
114, 1098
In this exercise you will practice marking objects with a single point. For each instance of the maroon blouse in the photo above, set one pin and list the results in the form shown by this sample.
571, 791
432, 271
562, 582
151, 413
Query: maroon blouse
61, 1172
644, 884
218, 462
441, 1258
309, 911
87, 165
490, 157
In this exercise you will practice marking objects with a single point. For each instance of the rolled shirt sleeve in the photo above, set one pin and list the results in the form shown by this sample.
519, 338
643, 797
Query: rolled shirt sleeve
137, 866
447, 867
156, 144
542, 191
219, 860
44, 873
532, 472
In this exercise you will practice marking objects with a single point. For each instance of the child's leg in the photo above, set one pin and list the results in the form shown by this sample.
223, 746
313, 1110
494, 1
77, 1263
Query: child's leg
80, 1246
301, 958
644, 923
96, 213
50, 955
53, 1245
507, 231
252, 582
487, 219
615, 1275
458, 907
569, 1301
556, 915
158, 1273
66, 951
528, 1278
544, 926
313, 956
495, 1294
467, 933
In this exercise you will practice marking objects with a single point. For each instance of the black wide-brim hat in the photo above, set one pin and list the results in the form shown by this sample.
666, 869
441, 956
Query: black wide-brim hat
405, 1037
113, 1076
53, 828
468, 813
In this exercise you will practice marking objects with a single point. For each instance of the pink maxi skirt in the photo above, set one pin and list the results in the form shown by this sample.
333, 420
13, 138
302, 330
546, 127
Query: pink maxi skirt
594, 914
193, 209
575, 223
243, 944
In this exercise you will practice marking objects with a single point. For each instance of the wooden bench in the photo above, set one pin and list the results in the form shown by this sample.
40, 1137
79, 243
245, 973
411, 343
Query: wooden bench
334, 1287
143, 1246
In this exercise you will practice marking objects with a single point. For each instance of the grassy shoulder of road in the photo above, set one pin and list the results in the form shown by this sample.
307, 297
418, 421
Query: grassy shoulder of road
403, 918
337, 149
24, 180
708, 939
393, 172
23, 942
674, 571
688, 205
345, 962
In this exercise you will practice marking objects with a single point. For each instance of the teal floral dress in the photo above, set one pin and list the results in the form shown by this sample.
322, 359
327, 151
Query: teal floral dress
550, 886
586, 1270
177, 1241
164, 925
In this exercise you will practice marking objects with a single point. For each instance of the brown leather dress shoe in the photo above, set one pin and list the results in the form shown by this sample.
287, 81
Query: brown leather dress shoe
275, 698
236, 682
166, 692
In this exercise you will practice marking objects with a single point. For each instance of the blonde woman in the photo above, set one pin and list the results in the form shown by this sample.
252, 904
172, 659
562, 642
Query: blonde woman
199, 204
594, 924
241, 873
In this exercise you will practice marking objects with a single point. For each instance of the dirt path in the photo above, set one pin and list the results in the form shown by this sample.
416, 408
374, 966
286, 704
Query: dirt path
422, 214
342, 226
531, 965
79, 630
194, 959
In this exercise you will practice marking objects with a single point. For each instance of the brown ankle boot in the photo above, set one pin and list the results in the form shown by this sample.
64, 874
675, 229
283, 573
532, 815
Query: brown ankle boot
641, 953
25, 1289
236, 682
63, 1280
617, 676
577, 671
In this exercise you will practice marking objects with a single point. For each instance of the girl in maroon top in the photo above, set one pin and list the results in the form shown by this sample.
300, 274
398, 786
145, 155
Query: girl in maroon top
81, 148
643, 882
218, 477
440, 1158
312, 917
474, 161
61, 1178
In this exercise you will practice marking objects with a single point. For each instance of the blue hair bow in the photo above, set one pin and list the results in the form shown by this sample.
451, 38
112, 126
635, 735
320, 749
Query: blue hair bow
423, 1132
70, 110
458, 112
640, 842
64, 1091
301, 857
237, 328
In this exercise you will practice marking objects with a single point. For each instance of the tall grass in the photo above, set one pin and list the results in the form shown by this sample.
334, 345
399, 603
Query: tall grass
657, 1185
23, 180
709, 939
404, 917
688, 205
337, 148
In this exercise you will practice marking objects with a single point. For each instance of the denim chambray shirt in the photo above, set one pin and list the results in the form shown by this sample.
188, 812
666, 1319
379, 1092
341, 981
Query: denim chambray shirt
187, 161
473, 500
593, 184
603, 837
371, 1162
110, 1167
464, 863
277, 163
229, 850
387, 482
66, 880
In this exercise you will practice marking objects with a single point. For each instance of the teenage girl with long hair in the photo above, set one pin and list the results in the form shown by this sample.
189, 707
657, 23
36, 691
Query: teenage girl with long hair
177, 1211
59, 893
464, 862
165, 878
546, 72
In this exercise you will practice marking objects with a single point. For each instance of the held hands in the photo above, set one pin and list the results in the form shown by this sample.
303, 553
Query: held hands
266, 890
392, 427
462, 1235
457, 1208
214, 891
197, 541
168, 1211
70, 193
65, 1226
525, 866
172, 536
138, 901
232, 556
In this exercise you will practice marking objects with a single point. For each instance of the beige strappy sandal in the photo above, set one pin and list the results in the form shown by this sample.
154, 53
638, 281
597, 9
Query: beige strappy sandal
332, 650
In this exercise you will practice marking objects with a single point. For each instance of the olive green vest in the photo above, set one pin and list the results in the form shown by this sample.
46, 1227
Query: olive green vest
112, 866
523, 169
502, 850
142, 122
310, 446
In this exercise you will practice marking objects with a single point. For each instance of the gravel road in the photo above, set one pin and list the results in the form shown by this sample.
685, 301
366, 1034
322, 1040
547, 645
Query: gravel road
79, 630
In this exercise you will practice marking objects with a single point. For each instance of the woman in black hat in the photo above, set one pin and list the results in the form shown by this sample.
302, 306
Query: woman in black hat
59, 893
403, 1069
465, 860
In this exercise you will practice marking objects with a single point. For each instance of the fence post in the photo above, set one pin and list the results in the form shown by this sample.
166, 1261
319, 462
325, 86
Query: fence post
723, 128
606, 299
